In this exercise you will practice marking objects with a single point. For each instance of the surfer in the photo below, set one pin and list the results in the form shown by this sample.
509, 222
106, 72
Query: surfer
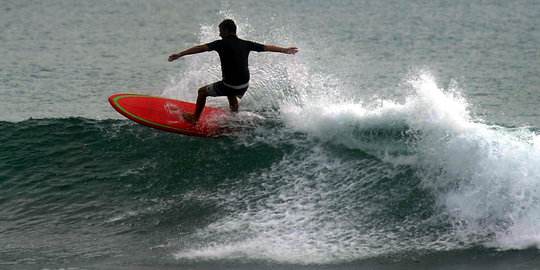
233, 54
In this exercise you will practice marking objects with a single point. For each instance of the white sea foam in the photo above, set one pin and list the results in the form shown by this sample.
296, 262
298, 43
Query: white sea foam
485, 176
296, 217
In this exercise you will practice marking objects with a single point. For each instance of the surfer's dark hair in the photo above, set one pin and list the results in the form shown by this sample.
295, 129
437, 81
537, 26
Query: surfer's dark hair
228, 25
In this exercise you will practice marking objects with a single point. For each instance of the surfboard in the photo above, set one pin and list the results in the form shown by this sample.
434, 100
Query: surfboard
166, 114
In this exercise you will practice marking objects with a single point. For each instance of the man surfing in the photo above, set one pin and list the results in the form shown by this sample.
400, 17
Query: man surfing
233, 54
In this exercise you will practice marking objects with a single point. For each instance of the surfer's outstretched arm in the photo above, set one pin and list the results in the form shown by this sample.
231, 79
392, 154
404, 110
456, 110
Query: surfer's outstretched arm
192, 50
272, 48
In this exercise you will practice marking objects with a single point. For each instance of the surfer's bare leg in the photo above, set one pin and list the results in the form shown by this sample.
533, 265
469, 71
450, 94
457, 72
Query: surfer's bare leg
199, 107
233, 103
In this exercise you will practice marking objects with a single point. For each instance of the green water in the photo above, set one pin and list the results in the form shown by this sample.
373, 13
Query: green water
403, 135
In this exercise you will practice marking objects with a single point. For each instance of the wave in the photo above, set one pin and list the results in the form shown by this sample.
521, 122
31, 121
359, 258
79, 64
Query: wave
371, 179
320, 183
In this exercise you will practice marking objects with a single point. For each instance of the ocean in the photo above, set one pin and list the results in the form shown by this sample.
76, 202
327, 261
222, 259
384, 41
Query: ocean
403, 135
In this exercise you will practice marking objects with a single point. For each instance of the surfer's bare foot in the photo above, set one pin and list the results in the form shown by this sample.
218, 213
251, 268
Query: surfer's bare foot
190, 118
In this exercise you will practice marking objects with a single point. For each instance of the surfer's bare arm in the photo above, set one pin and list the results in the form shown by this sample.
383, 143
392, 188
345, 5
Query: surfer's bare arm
272, 48
192, 50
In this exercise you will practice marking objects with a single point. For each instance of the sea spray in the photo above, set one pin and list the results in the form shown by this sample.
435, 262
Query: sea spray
275, 77
485, 176
442, 179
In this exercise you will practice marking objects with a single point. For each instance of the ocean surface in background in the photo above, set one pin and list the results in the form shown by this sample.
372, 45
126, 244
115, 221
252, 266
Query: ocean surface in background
403, 135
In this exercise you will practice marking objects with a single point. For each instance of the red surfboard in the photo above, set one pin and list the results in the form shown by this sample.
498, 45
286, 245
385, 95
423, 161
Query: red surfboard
166, 114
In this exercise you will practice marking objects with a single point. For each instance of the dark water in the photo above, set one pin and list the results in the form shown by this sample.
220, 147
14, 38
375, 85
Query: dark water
402, 136
113, 194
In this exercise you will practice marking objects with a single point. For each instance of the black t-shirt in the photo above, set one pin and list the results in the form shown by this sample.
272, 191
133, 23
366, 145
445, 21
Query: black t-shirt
233, 53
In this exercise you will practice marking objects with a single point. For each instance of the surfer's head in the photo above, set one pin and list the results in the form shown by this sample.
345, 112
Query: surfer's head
226, 28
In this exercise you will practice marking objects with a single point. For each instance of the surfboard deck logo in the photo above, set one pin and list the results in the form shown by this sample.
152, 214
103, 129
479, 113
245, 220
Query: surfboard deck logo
166, 114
